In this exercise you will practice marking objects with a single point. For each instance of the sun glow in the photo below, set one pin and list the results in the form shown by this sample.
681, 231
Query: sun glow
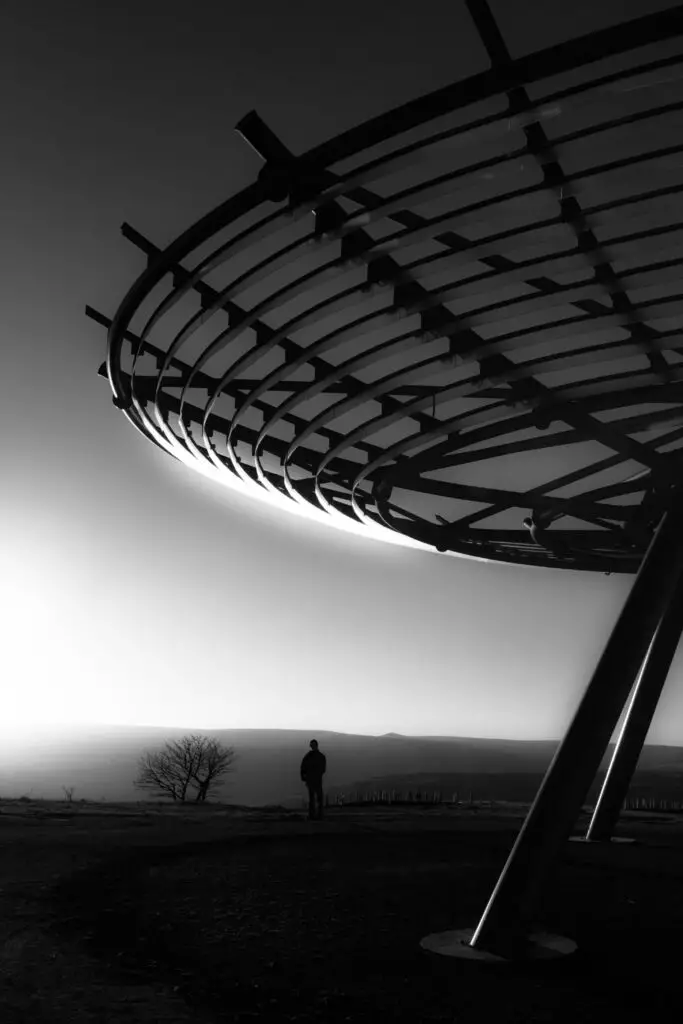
244, 485
194, 459
304, 510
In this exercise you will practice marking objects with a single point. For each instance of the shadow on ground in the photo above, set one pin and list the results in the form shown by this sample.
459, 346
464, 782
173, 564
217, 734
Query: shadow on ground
325, 926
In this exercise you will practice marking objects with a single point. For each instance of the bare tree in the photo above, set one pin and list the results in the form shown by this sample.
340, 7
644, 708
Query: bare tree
69, 793
215, 762
192, 762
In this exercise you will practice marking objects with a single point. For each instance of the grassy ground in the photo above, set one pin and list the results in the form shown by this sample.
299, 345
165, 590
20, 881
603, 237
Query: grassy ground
208, 914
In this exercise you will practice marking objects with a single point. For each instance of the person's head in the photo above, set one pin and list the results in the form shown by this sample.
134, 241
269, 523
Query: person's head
313, 744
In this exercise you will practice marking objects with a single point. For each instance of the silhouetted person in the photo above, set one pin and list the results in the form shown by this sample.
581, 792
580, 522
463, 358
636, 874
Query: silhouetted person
312, 770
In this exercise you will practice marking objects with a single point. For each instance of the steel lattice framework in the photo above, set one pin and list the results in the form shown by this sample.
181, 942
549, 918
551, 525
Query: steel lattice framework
461, 320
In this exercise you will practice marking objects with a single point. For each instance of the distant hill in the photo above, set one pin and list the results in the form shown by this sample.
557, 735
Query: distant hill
101, 761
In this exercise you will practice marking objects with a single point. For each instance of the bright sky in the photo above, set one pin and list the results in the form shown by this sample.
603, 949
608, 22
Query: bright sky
134, 590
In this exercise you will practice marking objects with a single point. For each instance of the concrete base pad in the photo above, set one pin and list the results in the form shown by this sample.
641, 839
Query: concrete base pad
542, 946
614, 839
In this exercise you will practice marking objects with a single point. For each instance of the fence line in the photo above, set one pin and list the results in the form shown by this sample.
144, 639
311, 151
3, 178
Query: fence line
431, 797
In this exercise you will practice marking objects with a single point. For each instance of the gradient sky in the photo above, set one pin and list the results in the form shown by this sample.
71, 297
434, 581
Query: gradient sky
133, 590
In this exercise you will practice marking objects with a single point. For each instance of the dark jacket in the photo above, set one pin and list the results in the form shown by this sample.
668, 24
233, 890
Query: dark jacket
313, 766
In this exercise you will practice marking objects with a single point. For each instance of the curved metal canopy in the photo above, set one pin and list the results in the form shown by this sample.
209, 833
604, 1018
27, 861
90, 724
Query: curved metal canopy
461, 321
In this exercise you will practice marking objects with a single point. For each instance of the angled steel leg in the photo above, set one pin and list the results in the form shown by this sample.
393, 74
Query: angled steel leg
504, 927
641, 709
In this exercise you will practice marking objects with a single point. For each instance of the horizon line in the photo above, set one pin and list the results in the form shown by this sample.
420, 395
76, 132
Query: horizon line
80, 726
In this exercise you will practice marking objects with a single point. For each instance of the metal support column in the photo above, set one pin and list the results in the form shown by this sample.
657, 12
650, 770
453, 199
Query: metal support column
503, 930
639, 716
504, 923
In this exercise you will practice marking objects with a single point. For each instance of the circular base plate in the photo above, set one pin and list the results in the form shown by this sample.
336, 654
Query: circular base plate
614, 839
542, 946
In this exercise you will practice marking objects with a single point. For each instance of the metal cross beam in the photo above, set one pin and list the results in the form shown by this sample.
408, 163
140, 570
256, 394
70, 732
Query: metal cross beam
542, 149
221, 425
414, 296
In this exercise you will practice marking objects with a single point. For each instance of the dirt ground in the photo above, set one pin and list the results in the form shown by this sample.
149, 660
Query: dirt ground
214, 915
